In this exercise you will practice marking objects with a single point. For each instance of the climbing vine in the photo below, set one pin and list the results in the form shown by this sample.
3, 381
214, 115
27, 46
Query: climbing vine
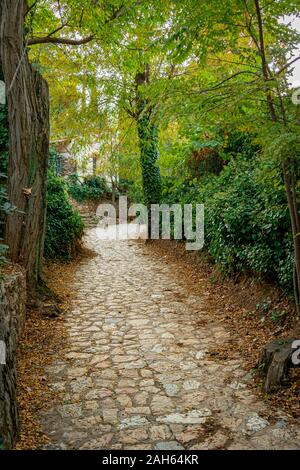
148, 142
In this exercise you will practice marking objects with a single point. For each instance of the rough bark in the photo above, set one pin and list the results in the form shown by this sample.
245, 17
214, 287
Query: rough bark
28, 115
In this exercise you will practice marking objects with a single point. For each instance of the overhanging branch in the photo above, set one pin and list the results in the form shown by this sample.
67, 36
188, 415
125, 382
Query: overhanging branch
74, 42
286, 66
53, 40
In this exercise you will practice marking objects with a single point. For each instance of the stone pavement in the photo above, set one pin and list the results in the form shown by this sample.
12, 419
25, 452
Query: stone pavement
136, 374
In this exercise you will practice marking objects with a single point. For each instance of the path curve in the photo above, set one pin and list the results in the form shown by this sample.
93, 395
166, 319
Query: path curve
135, 372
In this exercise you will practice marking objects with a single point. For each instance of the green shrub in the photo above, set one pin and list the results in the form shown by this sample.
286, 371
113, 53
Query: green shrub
64, 224
247, 225
55, 161
92, 188
247, 221
135, 192
174, 191
124, 185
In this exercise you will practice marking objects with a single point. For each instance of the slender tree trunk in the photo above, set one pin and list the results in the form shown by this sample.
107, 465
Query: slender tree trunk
290, 188
28, 116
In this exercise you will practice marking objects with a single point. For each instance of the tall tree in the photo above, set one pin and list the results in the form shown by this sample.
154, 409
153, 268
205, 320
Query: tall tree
28, 114
246, 46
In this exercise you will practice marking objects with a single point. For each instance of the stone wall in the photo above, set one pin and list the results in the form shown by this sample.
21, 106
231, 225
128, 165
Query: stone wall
12, 315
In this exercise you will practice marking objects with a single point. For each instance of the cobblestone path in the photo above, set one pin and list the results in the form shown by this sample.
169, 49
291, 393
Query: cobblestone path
136, 374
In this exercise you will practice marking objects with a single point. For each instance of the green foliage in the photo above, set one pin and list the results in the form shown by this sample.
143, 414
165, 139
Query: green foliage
238, 142
54, 163
91, 188
247, 225
208, 92
135, 192
133, 189
64, 224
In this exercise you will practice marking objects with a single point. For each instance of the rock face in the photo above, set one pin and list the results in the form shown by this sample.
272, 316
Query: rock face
12, 314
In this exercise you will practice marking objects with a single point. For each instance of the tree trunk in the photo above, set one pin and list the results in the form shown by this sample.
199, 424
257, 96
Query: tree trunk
148, 142
290, 188
28, 116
